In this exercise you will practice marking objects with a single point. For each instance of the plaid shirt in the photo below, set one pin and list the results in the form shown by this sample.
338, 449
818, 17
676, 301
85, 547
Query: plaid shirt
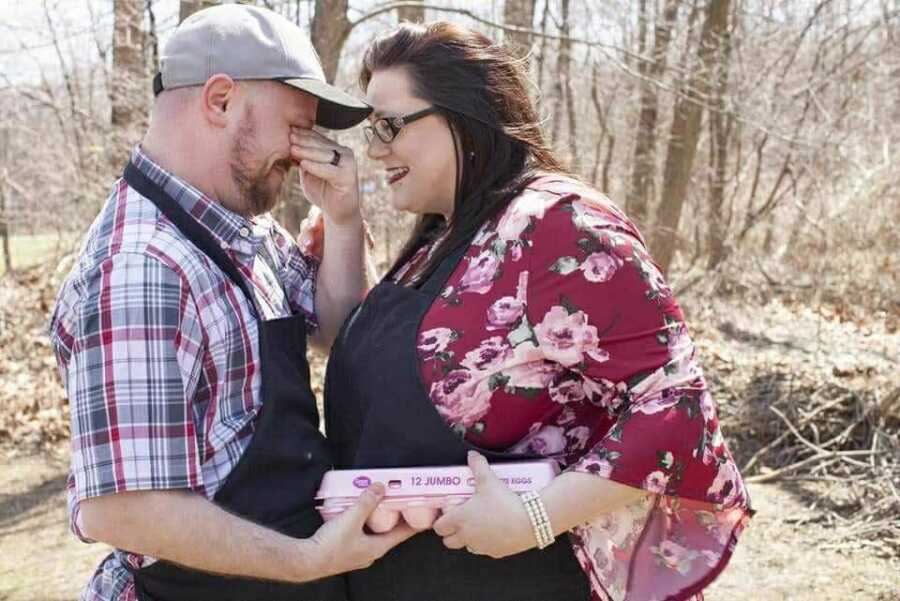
158, 350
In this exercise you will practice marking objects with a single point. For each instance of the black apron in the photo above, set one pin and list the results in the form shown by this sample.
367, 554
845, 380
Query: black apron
275, 480
378, 414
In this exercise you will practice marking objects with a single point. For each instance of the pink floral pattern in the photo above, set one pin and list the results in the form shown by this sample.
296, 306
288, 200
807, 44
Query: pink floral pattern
558, 335
567, 337
462, 397
600, 266
481, 273
435, 341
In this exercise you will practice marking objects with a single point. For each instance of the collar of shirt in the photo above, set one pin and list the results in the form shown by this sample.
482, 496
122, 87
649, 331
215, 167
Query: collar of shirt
230, 230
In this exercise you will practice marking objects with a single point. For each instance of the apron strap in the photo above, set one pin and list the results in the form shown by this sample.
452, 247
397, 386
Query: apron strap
188, 226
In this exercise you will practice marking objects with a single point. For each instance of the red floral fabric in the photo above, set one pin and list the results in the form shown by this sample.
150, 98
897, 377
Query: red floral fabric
557, 334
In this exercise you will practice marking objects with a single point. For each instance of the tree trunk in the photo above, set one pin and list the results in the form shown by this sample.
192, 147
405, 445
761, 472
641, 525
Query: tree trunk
4, 222
637, 200
720, 132
4, 232
542, 55
188, 7
330, 28
607, 163
152, 38
411, 14
130, 89
685, 133
603, 113
565, 74
518, 13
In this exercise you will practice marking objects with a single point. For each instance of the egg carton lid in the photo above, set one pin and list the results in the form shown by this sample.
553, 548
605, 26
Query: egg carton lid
428, 481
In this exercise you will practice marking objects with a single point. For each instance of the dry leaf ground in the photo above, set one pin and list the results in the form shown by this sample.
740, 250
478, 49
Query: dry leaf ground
824, 534
775, 561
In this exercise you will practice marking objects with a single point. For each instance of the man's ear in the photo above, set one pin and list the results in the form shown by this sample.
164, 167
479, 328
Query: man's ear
218, 94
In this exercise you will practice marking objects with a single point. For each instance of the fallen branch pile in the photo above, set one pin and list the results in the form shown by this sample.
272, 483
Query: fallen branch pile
814, 403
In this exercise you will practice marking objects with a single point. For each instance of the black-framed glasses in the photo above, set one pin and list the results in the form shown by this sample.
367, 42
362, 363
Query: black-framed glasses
387, 128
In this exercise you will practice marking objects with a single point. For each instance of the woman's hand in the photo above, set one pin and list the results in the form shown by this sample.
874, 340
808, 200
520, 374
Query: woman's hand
333, 188
493, 522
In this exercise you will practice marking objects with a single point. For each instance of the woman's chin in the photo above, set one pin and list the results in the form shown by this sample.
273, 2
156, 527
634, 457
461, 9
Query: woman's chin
400, 201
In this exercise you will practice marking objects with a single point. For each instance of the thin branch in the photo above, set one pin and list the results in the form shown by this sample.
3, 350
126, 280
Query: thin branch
494, 24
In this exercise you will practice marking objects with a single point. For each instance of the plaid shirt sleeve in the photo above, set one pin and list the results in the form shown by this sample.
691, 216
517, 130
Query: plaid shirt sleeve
298, 276
129, 345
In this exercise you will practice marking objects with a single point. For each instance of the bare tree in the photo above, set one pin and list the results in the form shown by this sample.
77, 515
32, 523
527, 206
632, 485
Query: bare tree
411, 14
152, 38
684, 134
563, 95
565, 82
188, 7
542, 53
602, 109
4, 223
519, 13
330, 28
644, 162
129, 89
720, 128
791, 89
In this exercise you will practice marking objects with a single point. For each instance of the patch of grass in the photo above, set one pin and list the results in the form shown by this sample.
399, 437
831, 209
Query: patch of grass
29, 250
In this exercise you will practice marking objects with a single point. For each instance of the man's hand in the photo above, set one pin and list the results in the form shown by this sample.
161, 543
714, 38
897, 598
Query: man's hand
153, 523
343, 545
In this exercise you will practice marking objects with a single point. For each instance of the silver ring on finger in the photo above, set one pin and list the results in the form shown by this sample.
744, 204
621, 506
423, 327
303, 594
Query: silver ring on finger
335, 157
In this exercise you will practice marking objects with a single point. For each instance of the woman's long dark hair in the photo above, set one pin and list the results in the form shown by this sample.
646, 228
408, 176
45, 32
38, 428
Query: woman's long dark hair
481, 89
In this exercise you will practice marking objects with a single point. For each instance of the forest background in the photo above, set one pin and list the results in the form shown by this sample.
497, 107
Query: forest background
753, 141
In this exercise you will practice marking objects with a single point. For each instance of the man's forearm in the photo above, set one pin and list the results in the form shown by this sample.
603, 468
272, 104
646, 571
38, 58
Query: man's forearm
187, 529
341, 280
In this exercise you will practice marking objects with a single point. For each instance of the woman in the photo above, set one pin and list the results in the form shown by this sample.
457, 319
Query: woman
524, 318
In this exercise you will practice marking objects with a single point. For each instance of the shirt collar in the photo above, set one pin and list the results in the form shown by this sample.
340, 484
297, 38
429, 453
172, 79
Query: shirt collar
228, 228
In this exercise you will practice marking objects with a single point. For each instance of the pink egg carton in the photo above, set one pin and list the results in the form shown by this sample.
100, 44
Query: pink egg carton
420, 494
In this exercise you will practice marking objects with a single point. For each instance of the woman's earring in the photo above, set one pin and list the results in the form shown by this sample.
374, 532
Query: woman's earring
472, 156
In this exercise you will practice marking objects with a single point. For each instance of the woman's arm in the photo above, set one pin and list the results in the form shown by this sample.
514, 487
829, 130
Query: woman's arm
574, 498
335, 190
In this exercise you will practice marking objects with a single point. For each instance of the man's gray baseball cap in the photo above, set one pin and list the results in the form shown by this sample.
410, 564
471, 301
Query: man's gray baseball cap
248, 42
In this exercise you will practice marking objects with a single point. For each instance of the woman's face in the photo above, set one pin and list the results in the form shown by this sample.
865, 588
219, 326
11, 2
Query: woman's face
419, 163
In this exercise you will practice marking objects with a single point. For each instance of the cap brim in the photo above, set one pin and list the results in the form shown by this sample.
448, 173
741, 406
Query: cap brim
337, 109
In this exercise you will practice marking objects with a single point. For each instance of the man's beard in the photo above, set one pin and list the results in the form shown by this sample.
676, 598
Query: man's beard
256, 194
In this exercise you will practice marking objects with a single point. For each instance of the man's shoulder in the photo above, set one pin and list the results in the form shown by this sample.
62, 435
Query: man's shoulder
130, 232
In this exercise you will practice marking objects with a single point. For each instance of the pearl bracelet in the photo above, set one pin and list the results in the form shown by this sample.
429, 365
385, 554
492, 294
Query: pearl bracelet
540, 521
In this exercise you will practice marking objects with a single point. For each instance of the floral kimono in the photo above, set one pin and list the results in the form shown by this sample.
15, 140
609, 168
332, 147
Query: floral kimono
558, 335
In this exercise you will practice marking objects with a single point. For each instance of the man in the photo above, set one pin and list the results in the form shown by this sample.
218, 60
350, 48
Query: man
181, 332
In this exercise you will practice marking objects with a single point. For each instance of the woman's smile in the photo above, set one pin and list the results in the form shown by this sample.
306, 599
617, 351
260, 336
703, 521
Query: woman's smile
395, 174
